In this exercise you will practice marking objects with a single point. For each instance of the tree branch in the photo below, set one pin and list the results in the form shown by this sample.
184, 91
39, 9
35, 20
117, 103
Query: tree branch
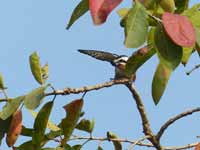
68, 91
173, 119
145, 122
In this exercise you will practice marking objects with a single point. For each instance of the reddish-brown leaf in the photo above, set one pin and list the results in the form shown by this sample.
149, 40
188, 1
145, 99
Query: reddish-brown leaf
15, 128
179, 29
197, 147
100, 9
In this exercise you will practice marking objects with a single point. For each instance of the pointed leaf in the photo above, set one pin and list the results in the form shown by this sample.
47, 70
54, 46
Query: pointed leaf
86, 125
100, 9
4, 126
186, 55
181, 5
123, 12
168, 52
50, 124
15, 128
138, 58
11, 107
68, 124
160, 81
26, 146
36, 67
2, 87
193, 14
117, 144
40, 123
34, 98
136, 26
179, 29
80, 10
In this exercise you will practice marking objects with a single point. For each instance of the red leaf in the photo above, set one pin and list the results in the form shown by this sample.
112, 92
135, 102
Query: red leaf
100, 9
179, 29
15, 128
197, 147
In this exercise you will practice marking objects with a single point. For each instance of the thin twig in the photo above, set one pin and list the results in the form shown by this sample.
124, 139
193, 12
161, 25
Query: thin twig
145, 122
118, 140
193, 69
173, 119
84, 89
138, 141
181, 147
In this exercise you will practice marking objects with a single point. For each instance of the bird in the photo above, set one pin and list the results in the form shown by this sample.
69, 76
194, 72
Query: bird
118, 61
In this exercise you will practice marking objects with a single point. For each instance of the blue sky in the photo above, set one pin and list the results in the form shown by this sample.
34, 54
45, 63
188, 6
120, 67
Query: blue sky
28, 26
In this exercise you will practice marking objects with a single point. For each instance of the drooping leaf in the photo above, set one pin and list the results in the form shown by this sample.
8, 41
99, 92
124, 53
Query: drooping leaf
168, 52
138, 58
2, 87
193, 14
80, 10
160, 81
15, 128
136, 26
50, 124
186, 55
35, 66
167, 5
68, 124
4, 126
40, 123
179, 28
100, 9
86, 125
11, 107
34, 98
117, 144
181, 5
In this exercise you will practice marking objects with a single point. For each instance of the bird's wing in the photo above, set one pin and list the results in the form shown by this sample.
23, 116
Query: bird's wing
101, 55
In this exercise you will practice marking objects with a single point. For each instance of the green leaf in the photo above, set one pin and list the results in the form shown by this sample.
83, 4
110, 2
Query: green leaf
160, 81
80, 10
68, 124
26, 146
193, 14
197, 31
117, 144
4, 127
136, 26
99, 148
86, 125
169, 53
181, 5
186, 54
2, 87
33, 99
27, 131
45, 72
123, 12
40, 123
138, 59
11, 107
76, 147
50, 124
34, 61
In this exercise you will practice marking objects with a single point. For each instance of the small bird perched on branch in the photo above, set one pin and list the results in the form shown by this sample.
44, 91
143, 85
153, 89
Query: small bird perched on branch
118, 61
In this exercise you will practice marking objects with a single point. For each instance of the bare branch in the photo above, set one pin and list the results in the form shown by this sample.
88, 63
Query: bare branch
181, 147
173, 119
145, 122
135, 142
68, 91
